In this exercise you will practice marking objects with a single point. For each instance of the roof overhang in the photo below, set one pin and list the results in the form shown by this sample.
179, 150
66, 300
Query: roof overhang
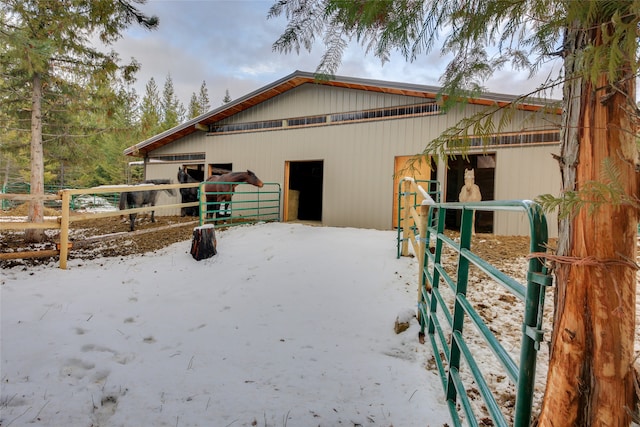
298, 78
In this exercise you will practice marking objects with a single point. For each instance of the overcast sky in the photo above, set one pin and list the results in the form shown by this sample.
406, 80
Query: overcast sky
228, 44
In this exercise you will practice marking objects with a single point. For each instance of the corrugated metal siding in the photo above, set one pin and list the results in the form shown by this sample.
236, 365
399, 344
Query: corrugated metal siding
525, 173
358, 157
312, 100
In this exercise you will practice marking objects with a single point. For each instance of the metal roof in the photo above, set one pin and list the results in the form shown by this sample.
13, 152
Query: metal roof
292, 81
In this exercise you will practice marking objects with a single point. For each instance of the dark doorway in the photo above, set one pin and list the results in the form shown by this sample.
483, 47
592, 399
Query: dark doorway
220, 168
195, 171
484, 167
305, 190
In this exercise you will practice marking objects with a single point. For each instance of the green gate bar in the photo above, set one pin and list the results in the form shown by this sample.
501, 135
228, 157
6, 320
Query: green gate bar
252, 204
451, 345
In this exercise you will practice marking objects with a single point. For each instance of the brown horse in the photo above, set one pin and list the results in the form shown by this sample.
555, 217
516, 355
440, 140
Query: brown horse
224, 185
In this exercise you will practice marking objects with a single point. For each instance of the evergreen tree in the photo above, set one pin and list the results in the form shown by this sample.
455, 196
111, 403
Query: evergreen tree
203, 98
591, 375
150, 110
172, 109
227, 97
107, 165
47, 51
194, 106
199, 104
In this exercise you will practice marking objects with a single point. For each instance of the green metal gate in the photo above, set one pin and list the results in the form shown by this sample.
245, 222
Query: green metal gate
248, 205
444, 328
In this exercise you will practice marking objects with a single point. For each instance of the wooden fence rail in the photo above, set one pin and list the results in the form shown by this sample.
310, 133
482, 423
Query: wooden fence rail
62, 222
413, 209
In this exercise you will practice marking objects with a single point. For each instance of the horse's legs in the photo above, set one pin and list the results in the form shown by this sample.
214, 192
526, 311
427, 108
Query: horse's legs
184, 198
153, 218
132, 220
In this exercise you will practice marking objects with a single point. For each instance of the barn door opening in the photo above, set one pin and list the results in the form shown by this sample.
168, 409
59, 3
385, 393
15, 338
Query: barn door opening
484, 166
195, 171
219, 168
303, 190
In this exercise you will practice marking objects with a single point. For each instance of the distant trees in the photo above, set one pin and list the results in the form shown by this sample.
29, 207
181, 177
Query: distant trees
173, 111
227, 97
68, 109
51, 71
199, 104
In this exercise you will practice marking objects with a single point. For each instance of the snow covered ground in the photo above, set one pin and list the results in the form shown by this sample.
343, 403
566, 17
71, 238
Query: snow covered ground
288, 325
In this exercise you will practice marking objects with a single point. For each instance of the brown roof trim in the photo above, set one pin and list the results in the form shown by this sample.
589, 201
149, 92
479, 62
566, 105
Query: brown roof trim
292, 81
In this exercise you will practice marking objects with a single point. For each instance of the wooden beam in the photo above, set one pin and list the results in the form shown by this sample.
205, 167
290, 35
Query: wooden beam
29, 254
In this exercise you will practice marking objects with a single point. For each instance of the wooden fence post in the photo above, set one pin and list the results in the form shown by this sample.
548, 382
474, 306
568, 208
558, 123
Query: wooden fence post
64, 229
406, 229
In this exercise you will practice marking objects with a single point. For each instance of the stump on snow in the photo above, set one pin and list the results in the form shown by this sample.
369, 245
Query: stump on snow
204, 242
403, 321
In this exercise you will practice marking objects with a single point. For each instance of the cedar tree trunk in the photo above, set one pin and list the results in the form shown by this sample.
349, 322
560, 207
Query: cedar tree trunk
591, 378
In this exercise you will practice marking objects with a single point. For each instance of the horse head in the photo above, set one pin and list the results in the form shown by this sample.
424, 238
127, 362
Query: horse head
469, 174
182, 178
253, 179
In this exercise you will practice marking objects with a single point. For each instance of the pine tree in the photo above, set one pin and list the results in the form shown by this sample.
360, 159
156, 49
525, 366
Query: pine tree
194, 106
199, 104
227, 97
107, 165
150, 110
172, 109
203, 98
591, 375
47, 50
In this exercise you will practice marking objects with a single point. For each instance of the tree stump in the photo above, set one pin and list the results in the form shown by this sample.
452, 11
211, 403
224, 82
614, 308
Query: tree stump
204, 242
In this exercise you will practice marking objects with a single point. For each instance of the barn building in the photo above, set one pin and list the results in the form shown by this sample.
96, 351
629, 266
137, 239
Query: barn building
336, 146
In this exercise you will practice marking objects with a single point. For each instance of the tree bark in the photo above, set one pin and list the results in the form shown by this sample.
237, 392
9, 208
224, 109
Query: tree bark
36, 207
591, 378
203, 244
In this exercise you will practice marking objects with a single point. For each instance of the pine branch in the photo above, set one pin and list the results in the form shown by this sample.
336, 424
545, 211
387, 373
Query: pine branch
592, 196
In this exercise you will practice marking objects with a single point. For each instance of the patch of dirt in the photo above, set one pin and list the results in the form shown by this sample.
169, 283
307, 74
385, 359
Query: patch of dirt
101, 237
110, 237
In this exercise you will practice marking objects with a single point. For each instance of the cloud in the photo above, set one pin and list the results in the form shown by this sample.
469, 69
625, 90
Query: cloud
228, 44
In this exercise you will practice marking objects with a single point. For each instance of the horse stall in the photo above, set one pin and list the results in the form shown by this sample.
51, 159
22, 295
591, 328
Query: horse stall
483, 166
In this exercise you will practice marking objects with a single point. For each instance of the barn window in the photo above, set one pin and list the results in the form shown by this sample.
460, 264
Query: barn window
405, 110
234, 127
430, 108
550, 136
307, 121
178, 157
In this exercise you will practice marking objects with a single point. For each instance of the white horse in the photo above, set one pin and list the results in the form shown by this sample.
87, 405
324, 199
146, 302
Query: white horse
470, 192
